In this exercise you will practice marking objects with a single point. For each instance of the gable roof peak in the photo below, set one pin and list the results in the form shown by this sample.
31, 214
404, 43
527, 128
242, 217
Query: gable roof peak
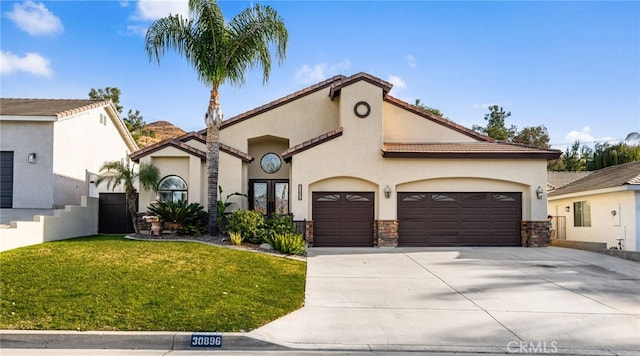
346, 81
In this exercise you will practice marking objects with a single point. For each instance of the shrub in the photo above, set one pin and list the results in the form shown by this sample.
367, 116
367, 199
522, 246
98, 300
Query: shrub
247, 223
276, 224
236, 238
187, 218
289, 243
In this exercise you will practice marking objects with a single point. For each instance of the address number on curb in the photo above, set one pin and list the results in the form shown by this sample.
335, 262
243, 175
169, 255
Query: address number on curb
206, 340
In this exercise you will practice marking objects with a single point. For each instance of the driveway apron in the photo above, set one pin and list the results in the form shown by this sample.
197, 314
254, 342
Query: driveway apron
476, 299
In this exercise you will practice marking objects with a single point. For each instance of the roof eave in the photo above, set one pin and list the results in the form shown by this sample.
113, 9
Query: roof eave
462, 155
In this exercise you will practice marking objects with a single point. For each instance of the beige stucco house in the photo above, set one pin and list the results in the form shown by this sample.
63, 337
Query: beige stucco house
363, 168
602, 207
51, 149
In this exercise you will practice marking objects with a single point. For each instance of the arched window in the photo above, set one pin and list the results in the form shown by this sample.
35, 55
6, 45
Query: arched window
172, 188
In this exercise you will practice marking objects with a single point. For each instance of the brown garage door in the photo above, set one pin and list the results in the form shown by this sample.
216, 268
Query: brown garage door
459, 219
342, 219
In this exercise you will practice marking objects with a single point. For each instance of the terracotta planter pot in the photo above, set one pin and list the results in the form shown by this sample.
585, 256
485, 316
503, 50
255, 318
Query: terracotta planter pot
156, 228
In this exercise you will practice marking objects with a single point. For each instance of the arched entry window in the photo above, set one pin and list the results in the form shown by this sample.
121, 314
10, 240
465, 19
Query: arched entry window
172, 188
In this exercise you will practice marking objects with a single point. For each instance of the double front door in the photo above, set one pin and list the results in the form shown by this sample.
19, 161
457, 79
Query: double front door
269, 196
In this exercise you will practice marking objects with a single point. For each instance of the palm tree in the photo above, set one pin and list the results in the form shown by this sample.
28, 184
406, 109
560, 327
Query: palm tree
221, 53
115, 173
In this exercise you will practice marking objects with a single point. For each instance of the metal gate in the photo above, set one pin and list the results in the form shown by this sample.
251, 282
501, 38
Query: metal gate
113, 215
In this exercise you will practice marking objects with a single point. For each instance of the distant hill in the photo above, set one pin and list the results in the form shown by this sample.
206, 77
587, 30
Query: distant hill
159, 131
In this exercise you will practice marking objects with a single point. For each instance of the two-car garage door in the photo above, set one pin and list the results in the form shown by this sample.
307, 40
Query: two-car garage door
424, 219
459, 219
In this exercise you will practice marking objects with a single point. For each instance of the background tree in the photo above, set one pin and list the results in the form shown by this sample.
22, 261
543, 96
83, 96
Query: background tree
602, 155
108, 93
496, 124
535, 136
424, 107
220, 53
123, 172
134, 121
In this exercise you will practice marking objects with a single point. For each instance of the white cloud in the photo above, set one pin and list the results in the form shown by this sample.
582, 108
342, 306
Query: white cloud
32, 63
398, 83
411, 61
155, 9
35, 19
309, 74
582, 136
585, 137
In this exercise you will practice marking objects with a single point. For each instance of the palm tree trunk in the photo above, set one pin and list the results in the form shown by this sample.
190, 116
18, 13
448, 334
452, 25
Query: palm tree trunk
131, 198
213, 120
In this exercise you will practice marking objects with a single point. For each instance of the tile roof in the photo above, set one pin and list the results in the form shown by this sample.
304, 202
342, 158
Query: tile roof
311, 143
346, 81
556, 180
167, 143
466, 150
178, 143
610, 177
47, 107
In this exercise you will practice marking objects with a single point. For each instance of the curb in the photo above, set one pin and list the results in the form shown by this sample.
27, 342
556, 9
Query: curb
151, 340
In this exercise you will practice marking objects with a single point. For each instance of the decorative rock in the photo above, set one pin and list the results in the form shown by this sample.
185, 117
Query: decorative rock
266, 246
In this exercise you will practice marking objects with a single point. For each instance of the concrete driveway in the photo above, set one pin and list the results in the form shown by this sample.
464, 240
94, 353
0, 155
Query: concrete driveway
520, 300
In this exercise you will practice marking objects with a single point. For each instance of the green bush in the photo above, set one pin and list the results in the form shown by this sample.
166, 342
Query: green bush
289, 243
186, 218
247, 223
276, 224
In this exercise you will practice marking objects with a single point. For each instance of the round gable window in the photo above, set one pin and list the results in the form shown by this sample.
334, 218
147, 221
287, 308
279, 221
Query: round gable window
270, 163
362, 109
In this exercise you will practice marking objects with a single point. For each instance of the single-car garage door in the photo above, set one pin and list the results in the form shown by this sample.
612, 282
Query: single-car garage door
342, 219
459, 219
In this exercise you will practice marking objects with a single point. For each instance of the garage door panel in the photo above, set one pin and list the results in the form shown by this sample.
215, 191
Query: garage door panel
459, 218
343, 218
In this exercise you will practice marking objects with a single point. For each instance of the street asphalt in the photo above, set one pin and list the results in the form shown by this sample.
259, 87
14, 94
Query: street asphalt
466, 300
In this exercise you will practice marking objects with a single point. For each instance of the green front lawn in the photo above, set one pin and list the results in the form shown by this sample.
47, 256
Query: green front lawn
110, 283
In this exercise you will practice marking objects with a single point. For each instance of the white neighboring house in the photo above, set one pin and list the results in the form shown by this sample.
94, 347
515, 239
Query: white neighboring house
52, 149
602, 207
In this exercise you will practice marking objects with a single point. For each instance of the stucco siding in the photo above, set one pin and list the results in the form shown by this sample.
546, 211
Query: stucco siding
402, 126
298, 121
83, 142
605, 227
32, 182
232, 177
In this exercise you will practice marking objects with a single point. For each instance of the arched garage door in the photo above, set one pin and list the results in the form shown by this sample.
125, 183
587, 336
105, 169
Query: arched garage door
459, 219
343, 219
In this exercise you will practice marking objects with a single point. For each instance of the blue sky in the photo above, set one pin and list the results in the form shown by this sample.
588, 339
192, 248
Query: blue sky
571, 66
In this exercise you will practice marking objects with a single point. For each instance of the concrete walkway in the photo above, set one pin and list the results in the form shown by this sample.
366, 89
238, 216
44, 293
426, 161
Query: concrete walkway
523, 300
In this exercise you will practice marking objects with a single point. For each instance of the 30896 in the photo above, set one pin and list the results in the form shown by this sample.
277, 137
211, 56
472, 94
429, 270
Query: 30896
206, 340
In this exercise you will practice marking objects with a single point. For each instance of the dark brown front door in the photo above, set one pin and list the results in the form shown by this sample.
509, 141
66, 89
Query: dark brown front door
459, 219
343, 219
269, 196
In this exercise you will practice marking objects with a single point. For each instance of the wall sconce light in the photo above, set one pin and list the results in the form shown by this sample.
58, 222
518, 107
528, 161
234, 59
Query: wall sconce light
539, 192
387, 192
567, 208
31, 158
299, 191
